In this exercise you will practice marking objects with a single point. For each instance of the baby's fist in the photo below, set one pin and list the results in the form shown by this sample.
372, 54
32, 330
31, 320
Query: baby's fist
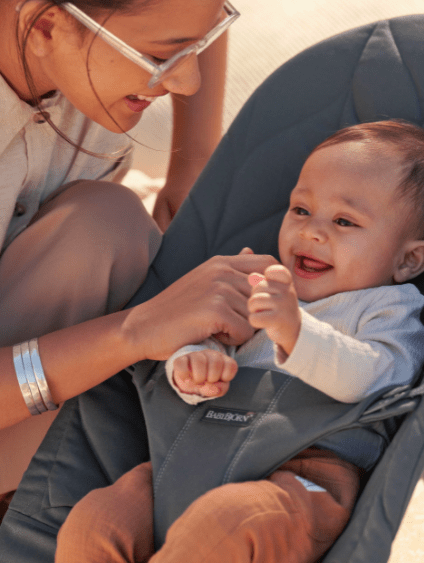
206, 373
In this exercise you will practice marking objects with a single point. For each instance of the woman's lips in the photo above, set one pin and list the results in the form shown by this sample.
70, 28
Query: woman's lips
310, 268
137, 105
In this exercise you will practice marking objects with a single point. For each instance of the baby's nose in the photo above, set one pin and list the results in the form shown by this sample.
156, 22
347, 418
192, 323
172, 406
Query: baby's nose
314, 230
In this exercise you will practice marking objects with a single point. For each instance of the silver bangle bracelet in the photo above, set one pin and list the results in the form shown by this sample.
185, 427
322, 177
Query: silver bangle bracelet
22, 380
39, 375
30, 377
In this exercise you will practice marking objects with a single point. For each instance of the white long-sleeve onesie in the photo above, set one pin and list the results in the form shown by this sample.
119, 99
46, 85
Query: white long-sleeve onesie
350, 344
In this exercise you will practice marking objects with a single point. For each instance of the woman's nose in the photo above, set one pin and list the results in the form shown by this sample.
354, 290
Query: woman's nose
313, 230
186, 79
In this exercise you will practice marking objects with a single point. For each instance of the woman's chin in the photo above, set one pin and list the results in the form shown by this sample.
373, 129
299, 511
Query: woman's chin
119, 124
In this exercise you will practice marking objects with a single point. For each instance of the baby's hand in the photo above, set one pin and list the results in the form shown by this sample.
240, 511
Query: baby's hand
206, 373
273, 306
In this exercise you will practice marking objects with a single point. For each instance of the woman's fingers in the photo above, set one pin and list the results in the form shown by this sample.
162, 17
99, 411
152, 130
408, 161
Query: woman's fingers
234, 291
233, 270
233, 330
247, 263
246, 250
210, 299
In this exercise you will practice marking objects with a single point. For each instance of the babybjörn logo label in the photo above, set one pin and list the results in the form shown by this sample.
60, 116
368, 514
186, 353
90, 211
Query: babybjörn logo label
235, 417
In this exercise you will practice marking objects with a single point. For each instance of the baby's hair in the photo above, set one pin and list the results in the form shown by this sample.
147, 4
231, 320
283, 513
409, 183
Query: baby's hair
407, 142
92, 8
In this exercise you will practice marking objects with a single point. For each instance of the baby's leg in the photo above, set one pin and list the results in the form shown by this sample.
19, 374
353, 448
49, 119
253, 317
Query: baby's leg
268, 521
111, 525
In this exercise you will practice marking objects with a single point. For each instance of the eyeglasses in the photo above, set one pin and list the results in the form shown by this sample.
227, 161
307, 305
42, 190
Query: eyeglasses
161, 71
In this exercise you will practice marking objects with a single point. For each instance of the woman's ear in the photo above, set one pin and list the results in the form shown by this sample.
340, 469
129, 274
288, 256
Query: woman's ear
40, 38
413, 262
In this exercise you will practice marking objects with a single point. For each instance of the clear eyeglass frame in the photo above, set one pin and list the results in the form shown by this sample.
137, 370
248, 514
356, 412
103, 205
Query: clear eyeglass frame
161, 71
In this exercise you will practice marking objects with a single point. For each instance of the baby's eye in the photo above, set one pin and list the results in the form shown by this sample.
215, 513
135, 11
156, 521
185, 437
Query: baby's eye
345, 222
300, 211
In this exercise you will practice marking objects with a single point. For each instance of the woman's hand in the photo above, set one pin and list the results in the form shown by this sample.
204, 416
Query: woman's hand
209, 300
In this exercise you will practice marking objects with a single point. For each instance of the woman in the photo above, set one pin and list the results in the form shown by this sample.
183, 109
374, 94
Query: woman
74, 248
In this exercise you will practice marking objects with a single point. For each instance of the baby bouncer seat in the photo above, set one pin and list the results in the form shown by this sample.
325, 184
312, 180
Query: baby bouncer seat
373, 72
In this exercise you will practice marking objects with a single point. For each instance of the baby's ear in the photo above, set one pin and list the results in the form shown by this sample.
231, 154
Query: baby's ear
413, 262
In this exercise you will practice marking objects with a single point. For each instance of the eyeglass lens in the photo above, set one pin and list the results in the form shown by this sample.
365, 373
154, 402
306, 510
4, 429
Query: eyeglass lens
197, 49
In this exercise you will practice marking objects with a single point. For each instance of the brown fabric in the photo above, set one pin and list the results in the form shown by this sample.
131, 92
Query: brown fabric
113, 524
267, 521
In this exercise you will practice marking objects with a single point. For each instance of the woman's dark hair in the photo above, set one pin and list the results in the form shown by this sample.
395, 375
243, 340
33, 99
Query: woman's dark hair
407, 142
92, 8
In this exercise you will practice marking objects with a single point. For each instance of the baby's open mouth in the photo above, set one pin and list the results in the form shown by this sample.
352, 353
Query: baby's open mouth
308, 265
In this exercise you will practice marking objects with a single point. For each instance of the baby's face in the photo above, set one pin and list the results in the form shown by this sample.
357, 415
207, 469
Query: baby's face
345, 228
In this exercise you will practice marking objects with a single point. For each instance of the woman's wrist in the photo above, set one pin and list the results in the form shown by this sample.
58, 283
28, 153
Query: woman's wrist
73, 360
78, 358
31, 378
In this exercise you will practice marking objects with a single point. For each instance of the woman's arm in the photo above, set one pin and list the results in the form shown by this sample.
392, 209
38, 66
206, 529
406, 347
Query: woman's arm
196, 133
210, 299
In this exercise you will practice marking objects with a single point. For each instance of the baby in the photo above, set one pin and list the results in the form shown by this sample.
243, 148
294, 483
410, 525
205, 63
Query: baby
334, 310
336, 314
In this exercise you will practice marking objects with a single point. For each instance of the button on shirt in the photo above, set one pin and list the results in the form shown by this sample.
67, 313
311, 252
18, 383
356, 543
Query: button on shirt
35, 161
20, 209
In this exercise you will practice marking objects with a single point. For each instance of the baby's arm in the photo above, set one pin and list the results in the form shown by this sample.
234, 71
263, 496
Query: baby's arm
387, 347
201, 372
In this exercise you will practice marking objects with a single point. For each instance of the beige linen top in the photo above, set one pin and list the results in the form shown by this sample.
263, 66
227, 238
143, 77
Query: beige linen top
35, 161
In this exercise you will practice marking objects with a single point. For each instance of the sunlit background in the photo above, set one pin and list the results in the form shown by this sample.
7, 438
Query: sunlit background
268, 33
